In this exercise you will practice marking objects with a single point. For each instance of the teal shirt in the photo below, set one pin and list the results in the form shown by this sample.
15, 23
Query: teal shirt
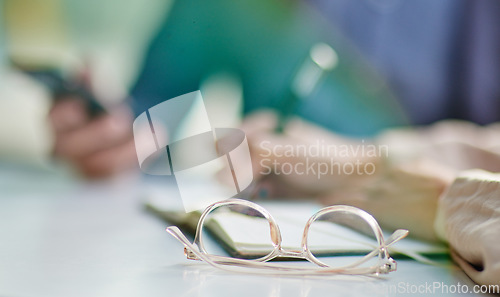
263, 42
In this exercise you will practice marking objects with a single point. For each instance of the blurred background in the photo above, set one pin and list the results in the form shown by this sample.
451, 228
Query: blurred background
397, 63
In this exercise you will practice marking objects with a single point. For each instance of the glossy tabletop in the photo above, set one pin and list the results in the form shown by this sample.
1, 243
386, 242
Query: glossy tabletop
63, 237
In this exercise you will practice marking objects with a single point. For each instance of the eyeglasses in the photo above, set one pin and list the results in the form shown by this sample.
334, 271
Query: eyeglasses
383, 263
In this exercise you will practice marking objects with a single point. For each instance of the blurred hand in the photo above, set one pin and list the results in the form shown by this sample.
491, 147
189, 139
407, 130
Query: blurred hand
399, 195
284, 165
99, 147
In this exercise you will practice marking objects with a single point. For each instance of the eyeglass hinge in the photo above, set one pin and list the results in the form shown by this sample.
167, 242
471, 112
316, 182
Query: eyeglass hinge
190, 255
389, 266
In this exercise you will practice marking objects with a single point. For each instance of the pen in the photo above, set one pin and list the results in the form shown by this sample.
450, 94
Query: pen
61, 87
321, 59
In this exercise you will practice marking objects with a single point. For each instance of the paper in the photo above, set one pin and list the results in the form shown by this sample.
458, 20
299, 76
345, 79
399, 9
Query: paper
250, 236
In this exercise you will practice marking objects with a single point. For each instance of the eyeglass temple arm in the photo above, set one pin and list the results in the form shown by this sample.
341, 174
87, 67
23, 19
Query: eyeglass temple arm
188, 246
396, 236
193, 253
389, 264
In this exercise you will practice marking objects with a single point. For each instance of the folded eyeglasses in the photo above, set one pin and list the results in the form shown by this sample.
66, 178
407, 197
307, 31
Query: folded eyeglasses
374, 262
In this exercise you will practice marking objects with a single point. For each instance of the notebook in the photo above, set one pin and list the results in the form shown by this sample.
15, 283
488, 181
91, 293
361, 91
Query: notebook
249, 237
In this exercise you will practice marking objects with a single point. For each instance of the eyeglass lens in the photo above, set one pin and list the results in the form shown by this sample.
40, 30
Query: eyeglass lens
342, 233
247, 228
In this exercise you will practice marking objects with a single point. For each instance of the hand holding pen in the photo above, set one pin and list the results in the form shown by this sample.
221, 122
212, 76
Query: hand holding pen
96, 139
321, 59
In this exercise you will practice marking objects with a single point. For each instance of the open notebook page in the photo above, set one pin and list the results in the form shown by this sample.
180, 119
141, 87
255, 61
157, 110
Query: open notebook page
250, 236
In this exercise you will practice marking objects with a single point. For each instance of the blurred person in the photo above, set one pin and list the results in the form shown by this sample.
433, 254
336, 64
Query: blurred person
438, 70
434, 67
87, 43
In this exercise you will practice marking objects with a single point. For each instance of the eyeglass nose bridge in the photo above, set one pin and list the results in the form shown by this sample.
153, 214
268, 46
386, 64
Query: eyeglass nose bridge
292, 254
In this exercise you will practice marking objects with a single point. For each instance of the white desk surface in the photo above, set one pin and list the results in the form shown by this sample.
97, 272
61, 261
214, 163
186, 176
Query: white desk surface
59, 237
